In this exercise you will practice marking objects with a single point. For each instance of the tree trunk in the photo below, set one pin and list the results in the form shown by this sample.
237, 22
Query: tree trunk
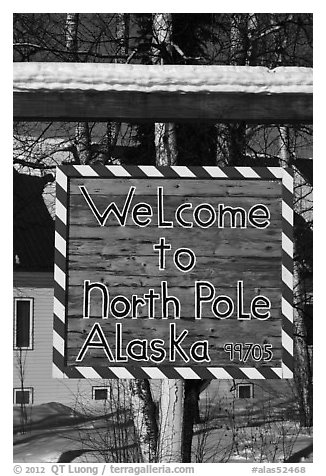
302, 365
241, 54
165, 143
165, 133
122, 37
302, 362
83, 143
171, 415
83, 139
144, 416
72, 20
284, 155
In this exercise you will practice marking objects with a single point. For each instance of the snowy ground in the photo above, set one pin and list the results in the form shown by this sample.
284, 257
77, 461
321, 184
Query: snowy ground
57, 434
266, 443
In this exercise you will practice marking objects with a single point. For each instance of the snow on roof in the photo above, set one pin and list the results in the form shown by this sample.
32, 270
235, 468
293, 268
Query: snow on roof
168, 78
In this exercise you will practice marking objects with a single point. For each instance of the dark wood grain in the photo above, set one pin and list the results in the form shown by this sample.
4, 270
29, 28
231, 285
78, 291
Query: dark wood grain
219, 189
133, 106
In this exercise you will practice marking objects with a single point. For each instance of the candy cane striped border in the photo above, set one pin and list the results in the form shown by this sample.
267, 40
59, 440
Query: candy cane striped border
60, 370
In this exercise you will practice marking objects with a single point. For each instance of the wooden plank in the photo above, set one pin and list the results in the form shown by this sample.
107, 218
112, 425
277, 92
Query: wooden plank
177, 187
70, 92
162, 107
102, 243
217, 269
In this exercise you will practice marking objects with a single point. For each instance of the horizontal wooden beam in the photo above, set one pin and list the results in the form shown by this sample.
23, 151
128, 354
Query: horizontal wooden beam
130, 93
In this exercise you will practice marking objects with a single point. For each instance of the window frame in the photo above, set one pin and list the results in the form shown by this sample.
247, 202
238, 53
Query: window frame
31, 323
239, 385
30, 391
100, 387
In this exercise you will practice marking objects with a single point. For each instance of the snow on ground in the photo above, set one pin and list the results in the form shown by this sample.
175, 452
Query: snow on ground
279, 441
57, 434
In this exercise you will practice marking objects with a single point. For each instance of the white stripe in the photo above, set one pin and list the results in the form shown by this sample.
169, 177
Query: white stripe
153, 372
86, 170
286, 372
219, 372
251, 372
287, 342
118, 170
183, 171
59, 309
121, 372
276, 171
287, 245
61, 179
150, 171
60, 211
57, 373
278, 371
88, 372
187, 372
287, 180
60, 244
287, 309
247, 172
58, 343
215, 171
287, 212
287, 277
59, 277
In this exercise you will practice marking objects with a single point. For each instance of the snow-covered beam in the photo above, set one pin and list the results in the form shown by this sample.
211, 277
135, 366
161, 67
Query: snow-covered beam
102, 91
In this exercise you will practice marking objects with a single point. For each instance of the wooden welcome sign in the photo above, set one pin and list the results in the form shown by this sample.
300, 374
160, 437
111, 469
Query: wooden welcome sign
173, 272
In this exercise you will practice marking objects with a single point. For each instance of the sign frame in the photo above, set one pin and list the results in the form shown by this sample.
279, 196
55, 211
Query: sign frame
62, 370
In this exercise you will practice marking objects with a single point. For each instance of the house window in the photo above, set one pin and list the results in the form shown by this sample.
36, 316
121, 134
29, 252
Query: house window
23, 396
100, 393
245, 390
23, 319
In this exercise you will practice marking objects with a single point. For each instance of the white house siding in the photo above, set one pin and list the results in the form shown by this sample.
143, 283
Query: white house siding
38, 362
